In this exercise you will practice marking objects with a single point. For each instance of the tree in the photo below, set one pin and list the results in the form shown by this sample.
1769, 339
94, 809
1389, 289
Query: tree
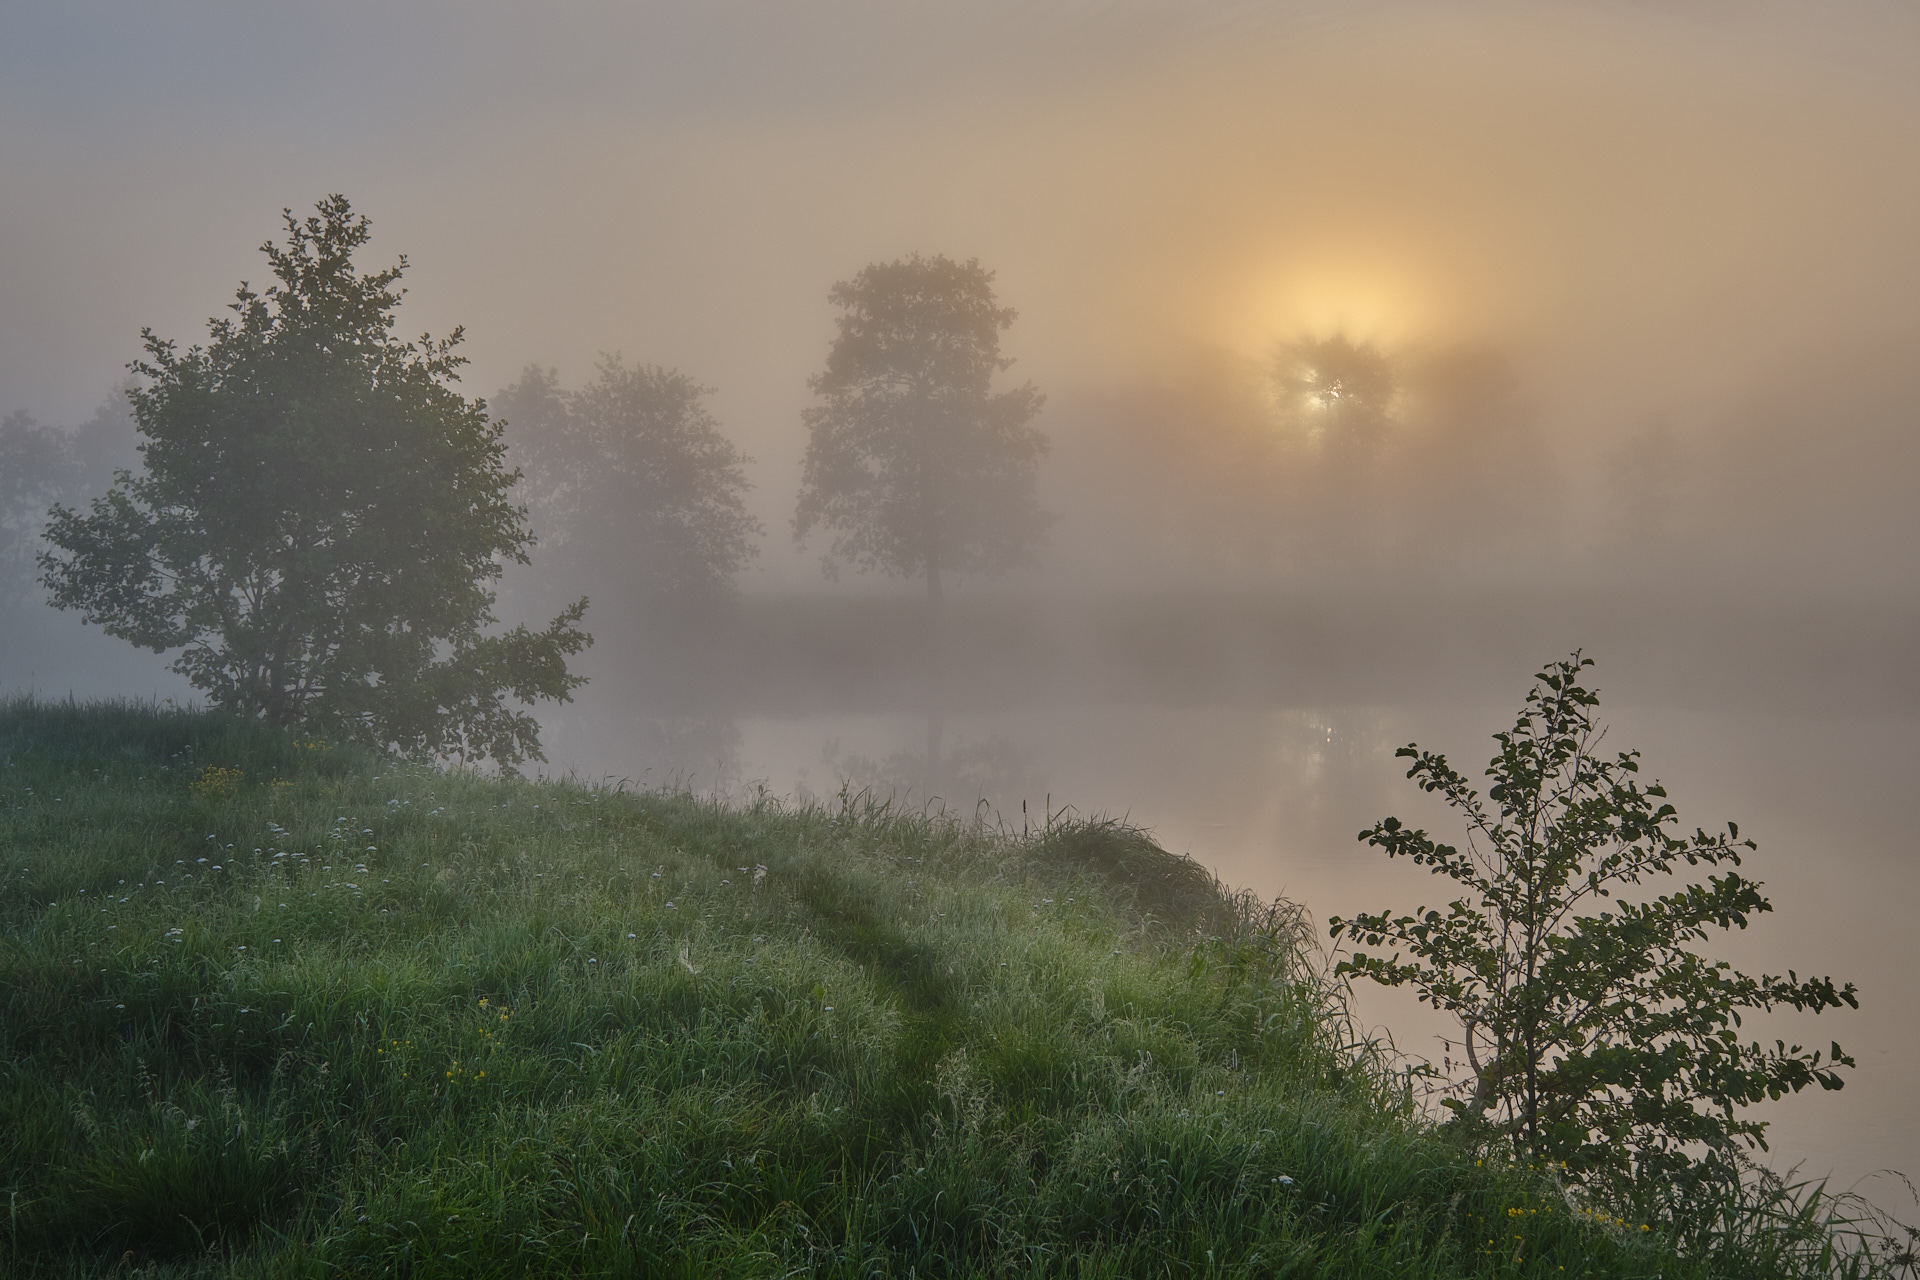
317, 519
37, 470
109, 440
1335, 400
1599, 1039
1338, 393
631, 480
914, 463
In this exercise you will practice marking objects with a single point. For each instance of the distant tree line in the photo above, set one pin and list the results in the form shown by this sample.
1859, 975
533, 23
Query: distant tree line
318, 519
319, 515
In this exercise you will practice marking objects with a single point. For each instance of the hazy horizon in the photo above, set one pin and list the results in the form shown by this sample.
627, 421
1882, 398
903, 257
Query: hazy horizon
1676, 221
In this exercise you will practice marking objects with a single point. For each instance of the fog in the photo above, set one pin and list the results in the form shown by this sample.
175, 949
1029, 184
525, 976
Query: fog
1641, 277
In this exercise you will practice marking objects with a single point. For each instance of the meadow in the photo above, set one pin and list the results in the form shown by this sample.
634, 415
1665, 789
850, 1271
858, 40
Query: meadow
272, 1007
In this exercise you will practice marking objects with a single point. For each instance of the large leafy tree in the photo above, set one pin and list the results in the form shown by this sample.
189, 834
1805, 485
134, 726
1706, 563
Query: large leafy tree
631, 482
318, 518
915, 463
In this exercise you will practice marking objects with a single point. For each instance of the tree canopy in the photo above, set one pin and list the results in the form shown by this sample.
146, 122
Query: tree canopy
37, 470
318, 518
1338, 392
914, 463
631, 483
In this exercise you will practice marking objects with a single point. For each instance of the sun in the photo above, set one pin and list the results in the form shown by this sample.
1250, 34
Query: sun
1323, 392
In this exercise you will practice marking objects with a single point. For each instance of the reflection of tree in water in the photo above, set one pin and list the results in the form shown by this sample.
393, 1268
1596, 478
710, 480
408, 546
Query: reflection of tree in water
675, 752
699, 752
994, 770
1326, 771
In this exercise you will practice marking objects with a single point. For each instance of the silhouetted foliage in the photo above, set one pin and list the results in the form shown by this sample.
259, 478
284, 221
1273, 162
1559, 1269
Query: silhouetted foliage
37, 470
1337, 392
109, 440
630, 482
914, 463
317, 518
1598, 1039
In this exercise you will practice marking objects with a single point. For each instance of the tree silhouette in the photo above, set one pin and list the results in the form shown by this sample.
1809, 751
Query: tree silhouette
1338, 392
1597, 1035
630, 482
37, 471
317, 519
914, 463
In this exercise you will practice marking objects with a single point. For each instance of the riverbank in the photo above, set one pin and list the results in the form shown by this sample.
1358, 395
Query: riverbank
279, 1008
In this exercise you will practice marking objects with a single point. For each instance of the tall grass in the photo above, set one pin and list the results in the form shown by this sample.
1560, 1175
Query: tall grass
274, 1008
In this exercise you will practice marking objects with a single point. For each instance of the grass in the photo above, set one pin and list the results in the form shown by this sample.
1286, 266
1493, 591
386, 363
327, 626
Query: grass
271, 1008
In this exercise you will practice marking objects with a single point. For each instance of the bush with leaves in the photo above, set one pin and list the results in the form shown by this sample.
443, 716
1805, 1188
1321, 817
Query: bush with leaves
1595, 1033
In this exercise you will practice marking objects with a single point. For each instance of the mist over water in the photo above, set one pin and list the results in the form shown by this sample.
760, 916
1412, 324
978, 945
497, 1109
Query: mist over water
1389, 353
1272, 799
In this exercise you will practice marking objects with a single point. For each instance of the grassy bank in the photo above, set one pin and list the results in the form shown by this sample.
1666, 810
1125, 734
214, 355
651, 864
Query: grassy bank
274, 1008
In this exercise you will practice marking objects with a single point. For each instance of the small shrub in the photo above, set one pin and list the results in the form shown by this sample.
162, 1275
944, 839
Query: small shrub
1595, 1033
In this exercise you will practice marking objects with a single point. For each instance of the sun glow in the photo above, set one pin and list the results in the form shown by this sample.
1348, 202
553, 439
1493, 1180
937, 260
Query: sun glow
1324, 394
1358, 296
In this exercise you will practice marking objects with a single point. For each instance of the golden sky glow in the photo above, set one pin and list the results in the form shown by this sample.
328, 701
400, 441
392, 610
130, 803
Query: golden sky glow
1363, 294
1704, 197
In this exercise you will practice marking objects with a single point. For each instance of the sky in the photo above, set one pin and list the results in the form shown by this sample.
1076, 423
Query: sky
1683, 215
